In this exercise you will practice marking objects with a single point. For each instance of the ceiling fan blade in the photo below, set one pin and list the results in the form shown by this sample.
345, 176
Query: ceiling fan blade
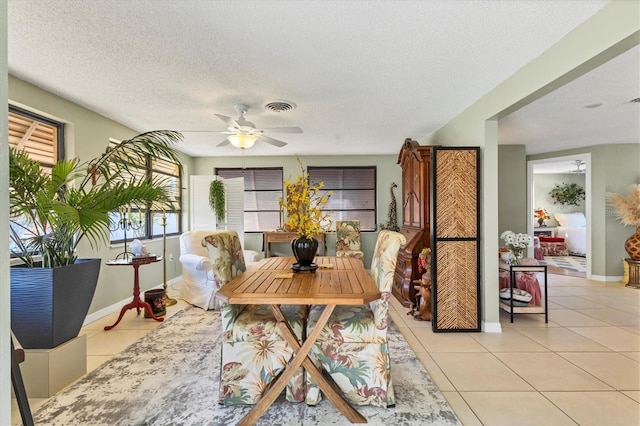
283, 130
229, 121
224, 143
272, 141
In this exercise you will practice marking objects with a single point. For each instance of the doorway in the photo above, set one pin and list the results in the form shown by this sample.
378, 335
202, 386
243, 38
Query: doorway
542, 176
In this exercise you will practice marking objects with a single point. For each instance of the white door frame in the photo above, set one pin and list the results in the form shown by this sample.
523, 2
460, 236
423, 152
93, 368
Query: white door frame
586, 157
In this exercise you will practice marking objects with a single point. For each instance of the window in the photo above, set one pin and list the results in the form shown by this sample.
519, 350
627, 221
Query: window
262, 192
41, 138
354, 193
148, 224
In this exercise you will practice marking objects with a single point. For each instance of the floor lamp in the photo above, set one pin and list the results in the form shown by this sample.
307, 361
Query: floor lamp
167, 300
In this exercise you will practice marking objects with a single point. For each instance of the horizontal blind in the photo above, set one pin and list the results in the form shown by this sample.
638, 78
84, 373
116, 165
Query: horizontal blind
354, 193
262, 192
37, 138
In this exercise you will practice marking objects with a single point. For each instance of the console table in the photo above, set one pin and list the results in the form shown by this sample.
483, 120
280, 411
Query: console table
269, 237
548, 231
509, 307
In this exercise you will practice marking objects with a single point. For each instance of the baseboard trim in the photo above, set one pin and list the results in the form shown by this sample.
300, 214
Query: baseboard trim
491, 327
606, 278
118, 305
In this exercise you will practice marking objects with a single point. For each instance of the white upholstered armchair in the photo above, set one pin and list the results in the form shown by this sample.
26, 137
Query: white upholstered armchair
199, 284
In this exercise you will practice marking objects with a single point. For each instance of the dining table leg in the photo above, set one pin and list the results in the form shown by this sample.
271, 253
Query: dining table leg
301, 358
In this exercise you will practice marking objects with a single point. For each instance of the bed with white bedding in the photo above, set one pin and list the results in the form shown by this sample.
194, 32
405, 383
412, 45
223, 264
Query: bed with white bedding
573, 228
575, 238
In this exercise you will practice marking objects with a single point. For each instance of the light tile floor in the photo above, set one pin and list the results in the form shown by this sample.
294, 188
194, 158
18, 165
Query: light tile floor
583, 367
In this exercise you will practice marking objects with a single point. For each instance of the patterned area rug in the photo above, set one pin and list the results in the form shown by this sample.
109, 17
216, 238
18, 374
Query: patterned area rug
574, 263
170, 377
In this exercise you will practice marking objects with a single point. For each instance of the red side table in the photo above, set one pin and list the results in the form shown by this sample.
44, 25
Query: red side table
136, 302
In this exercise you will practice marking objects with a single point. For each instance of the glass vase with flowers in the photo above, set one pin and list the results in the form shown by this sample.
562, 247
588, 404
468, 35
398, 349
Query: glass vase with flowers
517, 244
303, 204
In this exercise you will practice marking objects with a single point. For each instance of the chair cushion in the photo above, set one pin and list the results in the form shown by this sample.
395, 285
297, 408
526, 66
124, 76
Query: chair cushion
346, 324
347, 235
350, 253
256, 322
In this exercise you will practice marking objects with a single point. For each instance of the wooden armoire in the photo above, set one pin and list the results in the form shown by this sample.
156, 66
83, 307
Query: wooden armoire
415, 161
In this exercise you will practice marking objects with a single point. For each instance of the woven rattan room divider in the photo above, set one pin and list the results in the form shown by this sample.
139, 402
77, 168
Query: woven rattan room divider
455, 241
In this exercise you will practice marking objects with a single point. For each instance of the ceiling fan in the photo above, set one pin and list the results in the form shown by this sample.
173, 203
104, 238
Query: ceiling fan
243, 134
579, 167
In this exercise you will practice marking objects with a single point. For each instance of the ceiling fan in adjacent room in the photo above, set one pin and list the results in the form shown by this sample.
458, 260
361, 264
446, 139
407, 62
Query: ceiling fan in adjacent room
243, 134
580, 167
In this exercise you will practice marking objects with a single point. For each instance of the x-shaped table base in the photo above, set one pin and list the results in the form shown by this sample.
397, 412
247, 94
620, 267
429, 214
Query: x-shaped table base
301, 358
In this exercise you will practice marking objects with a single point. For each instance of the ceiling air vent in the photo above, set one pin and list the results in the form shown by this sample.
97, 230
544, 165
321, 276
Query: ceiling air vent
280, 106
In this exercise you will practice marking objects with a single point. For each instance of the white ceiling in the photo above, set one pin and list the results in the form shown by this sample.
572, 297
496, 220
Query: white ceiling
364, 74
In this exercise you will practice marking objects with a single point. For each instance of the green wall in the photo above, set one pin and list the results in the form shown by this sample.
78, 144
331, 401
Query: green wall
611, 31
613, 168
387, 171
512, 174
87, 136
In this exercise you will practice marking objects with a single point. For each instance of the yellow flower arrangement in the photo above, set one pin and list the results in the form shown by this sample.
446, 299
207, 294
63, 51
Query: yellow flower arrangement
304, 203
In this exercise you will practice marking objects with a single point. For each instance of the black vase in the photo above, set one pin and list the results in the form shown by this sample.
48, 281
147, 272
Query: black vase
304, 249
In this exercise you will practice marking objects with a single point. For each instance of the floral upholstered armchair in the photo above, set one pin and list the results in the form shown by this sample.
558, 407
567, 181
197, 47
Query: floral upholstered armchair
353, 346
348, 239
254, 352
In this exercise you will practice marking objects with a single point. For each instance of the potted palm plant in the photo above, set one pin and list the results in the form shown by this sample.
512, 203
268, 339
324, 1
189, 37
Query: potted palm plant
52, 211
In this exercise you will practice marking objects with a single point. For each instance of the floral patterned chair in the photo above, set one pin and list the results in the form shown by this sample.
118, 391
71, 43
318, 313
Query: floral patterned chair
254, 352
353, 346
348, 239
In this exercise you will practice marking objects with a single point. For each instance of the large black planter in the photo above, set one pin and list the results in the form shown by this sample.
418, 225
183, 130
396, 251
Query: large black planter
49, 305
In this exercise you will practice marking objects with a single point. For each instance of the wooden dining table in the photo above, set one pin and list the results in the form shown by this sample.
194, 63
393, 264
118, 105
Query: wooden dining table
337, 281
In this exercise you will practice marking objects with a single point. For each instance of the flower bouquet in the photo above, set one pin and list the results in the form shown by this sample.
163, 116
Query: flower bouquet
517, 243
304, 202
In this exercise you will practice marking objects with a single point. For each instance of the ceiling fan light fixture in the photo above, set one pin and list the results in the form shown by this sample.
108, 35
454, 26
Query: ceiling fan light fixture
242, 141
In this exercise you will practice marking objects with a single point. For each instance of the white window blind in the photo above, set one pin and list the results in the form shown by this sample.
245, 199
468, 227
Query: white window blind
354, 193
262, 191
38, 136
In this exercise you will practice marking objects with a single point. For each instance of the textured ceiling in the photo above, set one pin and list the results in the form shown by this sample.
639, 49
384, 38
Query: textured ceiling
364, 74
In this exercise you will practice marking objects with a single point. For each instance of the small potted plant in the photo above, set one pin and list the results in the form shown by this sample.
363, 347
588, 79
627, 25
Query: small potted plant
52, 211
217, 199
